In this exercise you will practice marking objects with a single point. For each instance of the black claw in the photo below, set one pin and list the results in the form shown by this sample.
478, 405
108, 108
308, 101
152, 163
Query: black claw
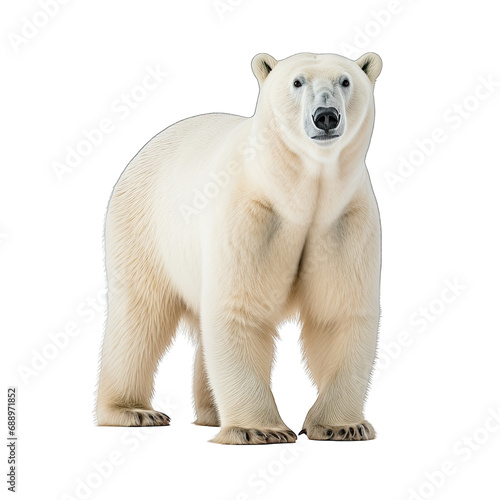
361, 430
291, 434
262, 436
247, 436
342, 432
139, 417
329, 432
303, 431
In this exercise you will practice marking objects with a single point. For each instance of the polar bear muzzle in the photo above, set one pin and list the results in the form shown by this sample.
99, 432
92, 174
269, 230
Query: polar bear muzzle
326, 119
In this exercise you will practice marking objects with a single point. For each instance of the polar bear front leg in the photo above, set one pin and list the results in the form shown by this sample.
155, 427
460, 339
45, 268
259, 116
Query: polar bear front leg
340, 311
340, 356
247, 274
239, 355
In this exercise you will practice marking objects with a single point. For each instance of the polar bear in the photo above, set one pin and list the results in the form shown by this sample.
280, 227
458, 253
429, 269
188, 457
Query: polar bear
234, 225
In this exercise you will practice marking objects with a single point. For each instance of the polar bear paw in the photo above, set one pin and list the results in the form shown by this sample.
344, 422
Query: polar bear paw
133, 417
240, 435
362, 431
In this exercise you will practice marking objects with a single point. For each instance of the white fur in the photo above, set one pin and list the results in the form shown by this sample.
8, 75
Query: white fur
294, 229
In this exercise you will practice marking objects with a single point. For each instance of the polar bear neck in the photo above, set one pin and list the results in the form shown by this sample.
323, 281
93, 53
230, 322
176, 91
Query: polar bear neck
304, 183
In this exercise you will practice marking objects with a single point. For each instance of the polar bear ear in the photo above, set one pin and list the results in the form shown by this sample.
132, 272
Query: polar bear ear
262, 65
371, 64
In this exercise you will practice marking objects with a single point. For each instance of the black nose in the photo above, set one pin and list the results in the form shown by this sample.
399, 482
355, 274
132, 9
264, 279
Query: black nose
326, 119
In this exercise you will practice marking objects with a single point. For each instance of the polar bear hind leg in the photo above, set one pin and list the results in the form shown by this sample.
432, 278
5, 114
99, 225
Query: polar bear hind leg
204, 402
143, 314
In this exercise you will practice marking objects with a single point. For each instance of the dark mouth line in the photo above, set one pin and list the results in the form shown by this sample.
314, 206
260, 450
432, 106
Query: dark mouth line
324, 137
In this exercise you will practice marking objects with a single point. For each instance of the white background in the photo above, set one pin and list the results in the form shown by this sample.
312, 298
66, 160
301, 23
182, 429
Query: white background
437, 385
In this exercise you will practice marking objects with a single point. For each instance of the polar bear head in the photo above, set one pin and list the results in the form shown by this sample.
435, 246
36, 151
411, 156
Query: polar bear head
320, 102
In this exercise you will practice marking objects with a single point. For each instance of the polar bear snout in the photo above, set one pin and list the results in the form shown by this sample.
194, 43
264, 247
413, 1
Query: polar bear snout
327, 119
327, 124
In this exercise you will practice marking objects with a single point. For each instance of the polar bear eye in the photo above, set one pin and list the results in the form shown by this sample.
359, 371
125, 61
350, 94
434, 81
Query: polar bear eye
346, 83
297, 83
